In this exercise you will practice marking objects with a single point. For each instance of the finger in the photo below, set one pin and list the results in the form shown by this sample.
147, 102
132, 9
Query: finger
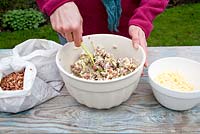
142, 72
69, 36
135, 38
78, 37
58, 27
146, 63
143, 44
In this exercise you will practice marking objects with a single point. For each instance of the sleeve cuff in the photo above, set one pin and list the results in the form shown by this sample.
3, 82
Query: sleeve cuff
52, 5
145, 26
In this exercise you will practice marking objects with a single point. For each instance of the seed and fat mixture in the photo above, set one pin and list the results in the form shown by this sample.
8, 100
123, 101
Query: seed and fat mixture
174, 81
106, 66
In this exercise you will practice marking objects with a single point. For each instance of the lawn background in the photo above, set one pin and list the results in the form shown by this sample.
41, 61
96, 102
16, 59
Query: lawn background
178, 26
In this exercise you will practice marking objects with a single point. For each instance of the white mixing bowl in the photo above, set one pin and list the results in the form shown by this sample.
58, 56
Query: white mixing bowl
176, 100
101, 94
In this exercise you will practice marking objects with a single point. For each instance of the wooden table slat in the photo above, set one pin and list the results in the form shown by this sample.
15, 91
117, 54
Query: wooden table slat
140, 114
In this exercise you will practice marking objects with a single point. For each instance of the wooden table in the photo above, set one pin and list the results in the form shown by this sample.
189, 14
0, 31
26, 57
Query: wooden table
141, 113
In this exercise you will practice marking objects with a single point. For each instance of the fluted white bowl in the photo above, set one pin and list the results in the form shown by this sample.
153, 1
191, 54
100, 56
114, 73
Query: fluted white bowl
101, 94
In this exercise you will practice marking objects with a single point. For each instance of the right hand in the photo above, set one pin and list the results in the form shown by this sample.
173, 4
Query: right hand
68, 21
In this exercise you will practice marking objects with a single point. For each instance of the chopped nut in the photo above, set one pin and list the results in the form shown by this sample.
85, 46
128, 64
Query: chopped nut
13, 81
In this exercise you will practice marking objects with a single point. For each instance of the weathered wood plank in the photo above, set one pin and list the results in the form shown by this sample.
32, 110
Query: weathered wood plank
141, 113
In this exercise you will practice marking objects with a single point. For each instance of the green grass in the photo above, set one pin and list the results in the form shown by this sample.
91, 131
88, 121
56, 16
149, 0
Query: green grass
179, 26
10, 39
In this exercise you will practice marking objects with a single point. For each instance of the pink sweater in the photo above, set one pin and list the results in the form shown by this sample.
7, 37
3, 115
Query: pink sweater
134, 12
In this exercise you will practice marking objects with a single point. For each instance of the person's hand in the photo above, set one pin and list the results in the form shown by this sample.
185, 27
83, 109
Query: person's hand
67, 21
138, 38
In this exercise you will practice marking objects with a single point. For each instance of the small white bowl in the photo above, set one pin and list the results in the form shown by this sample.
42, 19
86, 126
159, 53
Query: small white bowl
101, 94
176, 100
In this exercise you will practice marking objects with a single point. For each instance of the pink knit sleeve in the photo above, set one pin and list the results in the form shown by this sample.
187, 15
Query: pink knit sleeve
49, 6
146, 13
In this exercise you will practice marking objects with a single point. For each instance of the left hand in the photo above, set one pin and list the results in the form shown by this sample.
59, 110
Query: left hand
138, 38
